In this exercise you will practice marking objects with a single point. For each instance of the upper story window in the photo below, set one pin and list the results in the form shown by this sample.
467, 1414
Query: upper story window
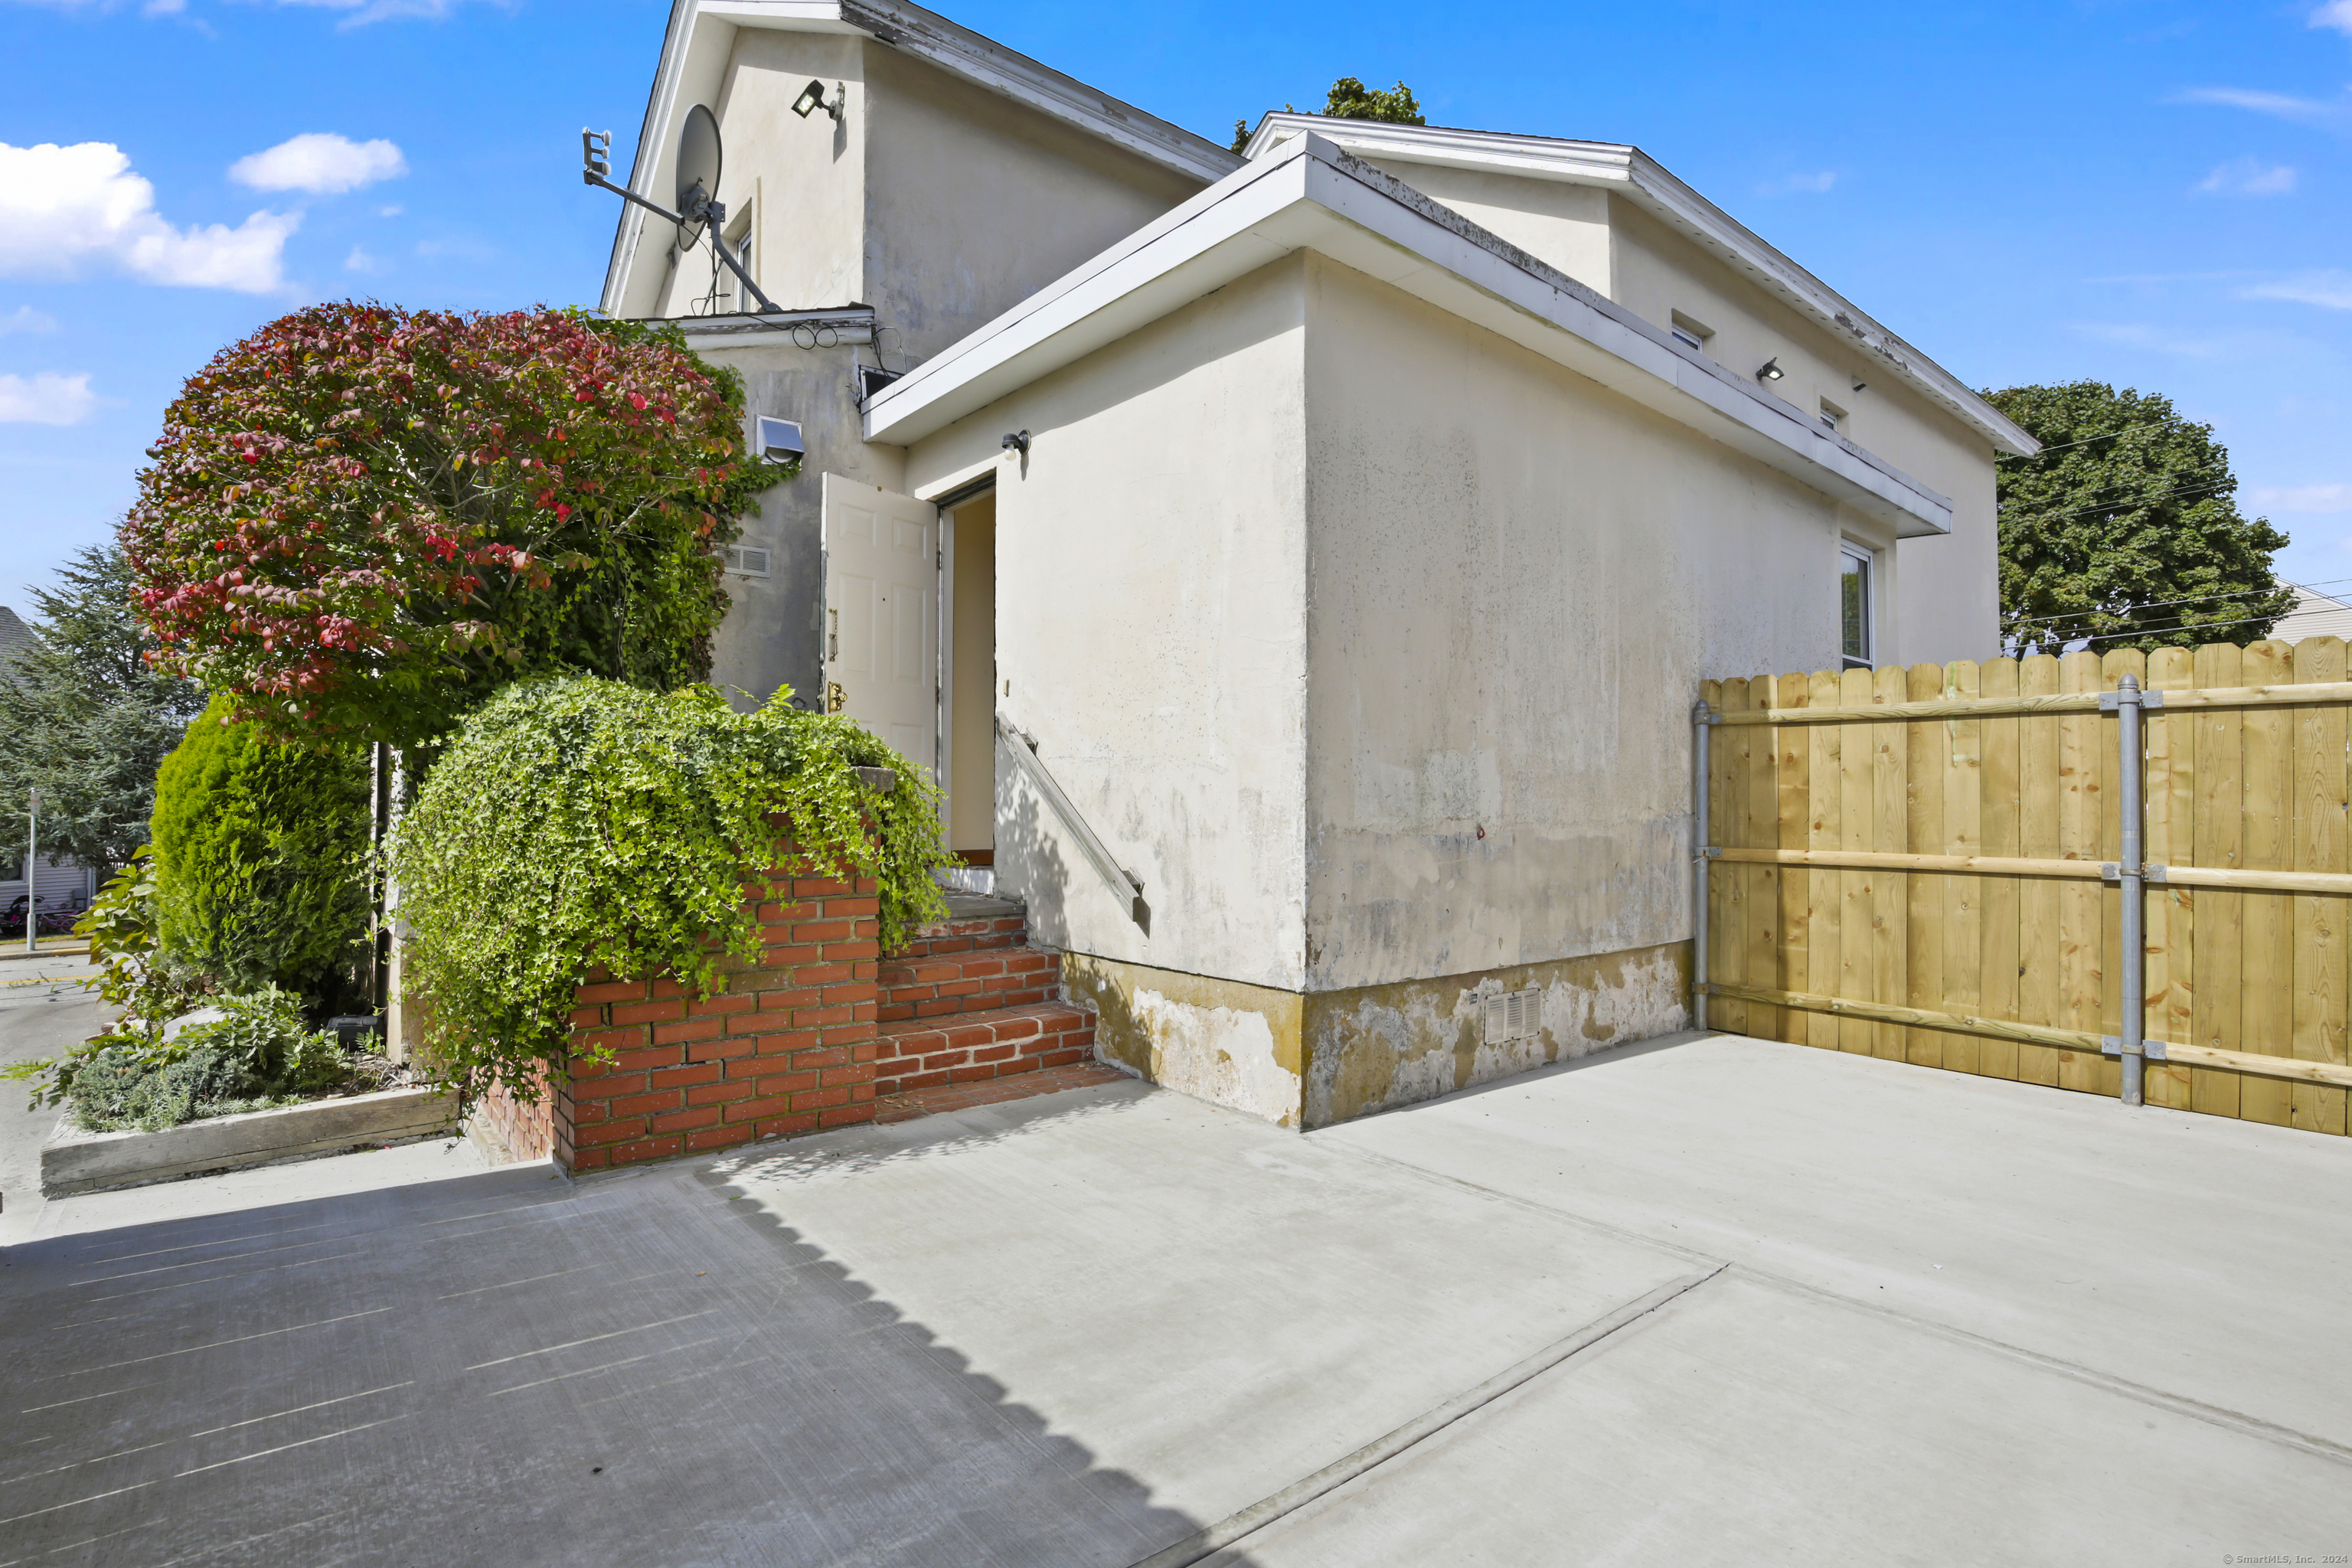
1692, 334
1856, 608
733, 294
1833, 416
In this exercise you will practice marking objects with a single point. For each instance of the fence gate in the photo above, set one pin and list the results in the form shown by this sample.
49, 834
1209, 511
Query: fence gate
2123, 874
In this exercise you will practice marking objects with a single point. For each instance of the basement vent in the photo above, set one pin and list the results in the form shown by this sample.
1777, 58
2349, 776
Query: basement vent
1514, 1015
745, 562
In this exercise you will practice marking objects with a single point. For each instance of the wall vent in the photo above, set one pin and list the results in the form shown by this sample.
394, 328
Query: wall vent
1513, 1015
745, 561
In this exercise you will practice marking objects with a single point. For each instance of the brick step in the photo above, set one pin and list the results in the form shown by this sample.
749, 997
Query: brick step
983, 980
972, 923
969, 1047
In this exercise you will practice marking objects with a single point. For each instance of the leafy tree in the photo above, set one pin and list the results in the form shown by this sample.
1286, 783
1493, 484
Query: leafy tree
1351, 100
261, 853
84, 720
2124, 530
360, 521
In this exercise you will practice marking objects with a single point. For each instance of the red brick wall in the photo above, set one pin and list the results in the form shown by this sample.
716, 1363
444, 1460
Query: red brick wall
789, 1046
511, 1129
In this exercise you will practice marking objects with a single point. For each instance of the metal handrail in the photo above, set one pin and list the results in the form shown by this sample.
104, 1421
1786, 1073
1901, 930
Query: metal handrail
1022, 748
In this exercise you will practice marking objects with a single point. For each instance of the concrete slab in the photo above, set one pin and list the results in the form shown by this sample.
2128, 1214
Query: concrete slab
1748, 1421
1211, 1300
2205, 1259
44, 1011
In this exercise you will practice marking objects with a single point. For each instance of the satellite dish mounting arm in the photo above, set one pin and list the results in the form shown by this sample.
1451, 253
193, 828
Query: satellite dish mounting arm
595, 153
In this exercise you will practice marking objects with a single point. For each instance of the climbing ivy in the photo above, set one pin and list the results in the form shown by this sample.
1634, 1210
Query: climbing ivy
575, 823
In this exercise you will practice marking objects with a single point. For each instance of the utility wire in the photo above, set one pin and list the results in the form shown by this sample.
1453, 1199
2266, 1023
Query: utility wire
2110, 435
2135, 503
2160, 604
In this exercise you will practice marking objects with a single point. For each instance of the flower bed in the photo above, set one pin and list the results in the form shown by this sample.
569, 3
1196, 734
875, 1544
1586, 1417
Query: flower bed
78, 1161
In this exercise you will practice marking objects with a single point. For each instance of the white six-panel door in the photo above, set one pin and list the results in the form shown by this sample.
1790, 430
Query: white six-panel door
882, 614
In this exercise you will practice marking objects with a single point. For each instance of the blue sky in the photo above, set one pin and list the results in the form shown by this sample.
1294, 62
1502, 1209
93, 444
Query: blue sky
2154, 193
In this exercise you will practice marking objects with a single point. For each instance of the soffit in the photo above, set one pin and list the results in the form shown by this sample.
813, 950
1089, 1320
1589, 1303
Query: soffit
1309, 195
701, 36
1635, 174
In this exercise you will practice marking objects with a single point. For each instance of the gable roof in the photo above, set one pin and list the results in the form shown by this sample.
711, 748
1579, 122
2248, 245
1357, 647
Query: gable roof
1307, 193
701, 36
1635, 174
16, 637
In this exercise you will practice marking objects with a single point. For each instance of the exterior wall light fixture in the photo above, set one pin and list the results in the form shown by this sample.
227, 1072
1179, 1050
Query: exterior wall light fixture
1771, 370
1016, 442
813, 98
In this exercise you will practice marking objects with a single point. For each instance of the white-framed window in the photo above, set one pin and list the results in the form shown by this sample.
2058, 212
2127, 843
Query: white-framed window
746, 560
1833, 416
1691, 333
1857, 607
733, 293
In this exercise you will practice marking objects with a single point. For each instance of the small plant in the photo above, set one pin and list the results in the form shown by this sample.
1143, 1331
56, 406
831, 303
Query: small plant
257, 1053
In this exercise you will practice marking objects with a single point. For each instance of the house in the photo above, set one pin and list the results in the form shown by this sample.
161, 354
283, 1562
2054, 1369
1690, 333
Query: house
1299, 566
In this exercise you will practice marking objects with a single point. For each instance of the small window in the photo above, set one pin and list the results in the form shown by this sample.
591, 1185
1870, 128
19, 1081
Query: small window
1690, 334
739, 245
1833, 416
747, 561
1855, 608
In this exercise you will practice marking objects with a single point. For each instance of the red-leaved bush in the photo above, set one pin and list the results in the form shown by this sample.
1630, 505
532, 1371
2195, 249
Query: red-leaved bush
360, 520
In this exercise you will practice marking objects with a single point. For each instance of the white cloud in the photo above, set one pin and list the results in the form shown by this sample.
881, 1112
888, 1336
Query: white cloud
2249, 177
2335, 13
395, 210
2279, 105
2329, 289
1812, 184
25, 319
63, 206
359, 260
45, 398
320, 163
2303, 498
360, 13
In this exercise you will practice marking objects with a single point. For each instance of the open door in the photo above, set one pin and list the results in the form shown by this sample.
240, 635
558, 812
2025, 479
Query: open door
882, 616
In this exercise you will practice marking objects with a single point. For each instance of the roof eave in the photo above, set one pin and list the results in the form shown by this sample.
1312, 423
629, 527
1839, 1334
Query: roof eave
1312, 196
1626, 168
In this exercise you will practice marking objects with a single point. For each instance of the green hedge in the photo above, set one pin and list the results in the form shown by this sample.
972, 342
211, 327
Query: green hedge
261, 860
578, 822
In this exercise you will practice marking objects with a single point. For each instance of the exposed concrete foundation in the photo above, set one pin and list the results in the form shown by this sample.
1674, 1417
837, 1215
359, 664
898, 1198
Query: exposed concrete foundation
1315, 1058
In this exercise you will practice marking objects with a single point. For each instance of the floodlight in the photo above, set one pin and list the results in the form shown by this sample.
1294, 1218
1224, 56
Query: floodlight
1771, 370
812, 97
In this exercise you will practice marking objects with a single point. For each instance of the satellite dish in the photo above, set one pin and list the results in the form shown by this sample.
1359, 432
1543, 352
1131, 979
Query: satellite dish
698, 155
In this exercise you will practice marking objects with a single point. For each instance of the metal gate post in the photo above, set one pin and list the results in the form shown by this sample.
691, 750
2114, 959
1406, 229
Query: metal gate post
1701, 720
2132, 1047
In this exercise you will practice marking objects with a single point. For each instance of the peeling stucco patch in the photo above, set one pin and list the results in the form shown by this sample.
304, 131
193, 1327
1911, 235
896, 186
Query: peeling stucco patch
1234, 1044
1377, 1047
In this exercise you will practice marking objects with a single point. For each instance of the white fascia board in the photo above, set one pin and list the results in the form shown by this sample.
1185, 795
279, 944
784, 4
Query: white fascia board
701, 37
1311, 195
1644, 180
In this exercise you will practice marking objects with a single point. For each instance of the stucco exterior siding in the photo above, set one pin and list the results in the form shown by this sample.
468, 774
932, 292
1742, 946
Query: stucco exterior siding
975, 201
1565, 225
1150, 560
1516, 579
1950, 608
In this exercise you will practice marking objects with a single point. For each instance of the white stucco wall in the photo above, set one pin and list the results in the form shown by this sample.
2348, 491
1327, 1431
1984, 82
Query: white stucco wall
1516, 580
1947, 606
1565, 225
974, 202
1151, 558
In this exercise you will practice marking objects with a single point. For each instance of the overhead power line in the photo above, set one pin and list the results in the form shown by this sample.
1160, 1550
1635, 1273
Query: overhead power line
2160, 604
2086, 441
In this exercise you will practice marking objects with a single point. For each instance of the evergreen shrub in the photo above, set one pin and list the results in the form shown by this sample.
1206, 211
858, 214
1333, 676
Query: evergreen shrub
261, 859
573, 822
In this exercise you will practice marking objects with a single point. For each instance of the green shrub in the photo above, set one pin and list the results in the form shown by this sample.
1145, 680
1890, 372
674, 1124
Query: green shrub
257, 1053
261, 859
579, 822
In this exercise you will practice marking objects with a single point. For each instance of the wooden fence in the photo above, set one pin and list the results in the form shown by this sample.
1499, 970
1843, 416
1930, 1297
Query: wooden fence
1923, 864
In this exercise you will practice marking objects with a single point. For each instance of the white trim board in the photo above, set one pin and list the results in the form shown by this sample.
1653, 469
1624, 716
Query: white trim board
1309, 195
1635, 174
700, 39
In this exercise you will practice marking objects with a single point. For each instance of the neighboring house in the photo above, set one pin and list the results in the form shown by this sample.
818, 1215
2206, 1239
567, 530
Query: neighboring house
64, 884
2314, 616
1347, 526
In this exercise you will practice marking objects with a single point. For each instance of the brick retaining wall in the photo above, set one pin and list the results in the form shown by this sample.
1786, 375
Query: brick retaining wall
789, 1046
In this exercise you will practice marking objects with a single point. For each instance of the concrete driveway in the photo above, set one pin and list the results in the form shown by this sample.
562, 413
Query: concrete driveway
1710, 1300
